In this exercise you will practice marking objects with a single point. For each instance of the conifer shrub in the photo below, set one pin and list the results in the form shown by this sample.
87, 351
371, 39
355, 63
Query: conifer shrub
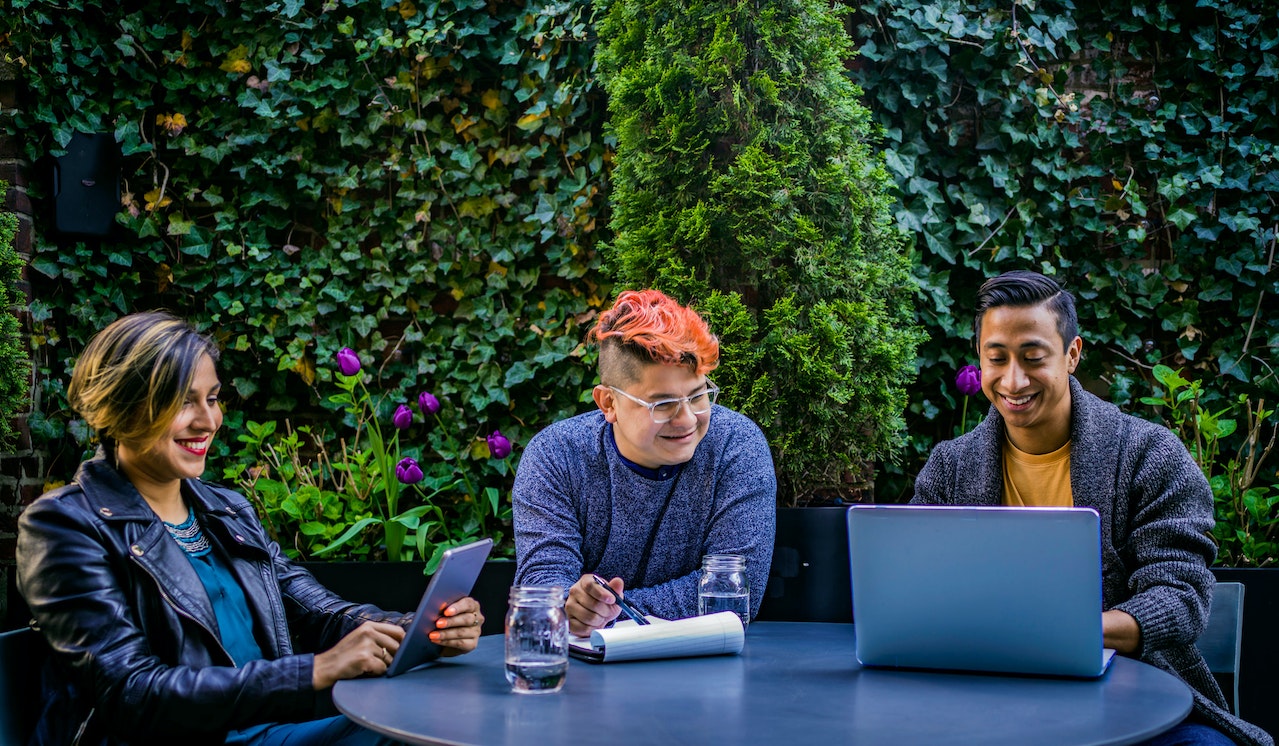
746, 182
15, 364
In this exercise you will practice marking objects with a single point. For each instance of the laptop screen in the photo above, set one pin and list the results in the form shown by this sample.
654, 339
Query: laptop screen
1014, 590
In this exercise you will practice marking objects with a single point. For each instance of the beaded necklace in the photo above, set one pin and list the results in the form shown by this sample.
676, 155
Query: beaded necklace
189, 535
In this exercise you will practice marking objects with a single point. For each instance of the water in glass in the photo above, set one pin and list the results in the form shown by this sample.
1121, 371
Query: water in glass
536, 676
723, 586
713, 603
536, 639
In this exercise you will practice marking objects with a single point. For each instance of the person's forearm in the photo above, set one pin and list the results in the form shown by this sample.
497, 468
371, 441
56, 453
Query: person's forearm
1120, 631
547, 567
674, 599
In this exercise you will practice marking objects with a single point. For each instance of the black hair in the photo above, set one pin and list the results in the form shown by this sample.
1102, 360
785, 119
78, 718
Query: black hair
1021, 288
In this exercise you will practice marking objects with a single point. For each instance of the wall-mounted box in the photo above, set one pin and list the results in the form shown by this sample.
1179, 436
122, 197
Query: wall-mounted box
86, 186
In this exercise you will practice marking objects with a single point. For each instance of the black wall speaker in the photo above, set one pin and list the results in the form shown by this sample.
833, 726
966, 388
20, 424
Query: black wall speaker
86, 185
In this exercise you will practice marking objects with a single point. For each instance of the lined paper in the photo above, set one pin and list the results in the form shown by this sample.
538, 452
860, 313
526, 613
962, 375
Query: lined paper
713, 634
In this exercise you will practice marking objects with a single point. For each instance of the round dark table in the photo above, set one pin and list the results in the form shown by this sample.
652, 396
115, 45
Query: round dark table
794, 683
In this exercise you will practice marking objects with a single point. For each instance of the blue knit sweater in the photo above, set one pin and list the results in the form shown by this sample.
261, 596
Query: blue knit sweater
580, 508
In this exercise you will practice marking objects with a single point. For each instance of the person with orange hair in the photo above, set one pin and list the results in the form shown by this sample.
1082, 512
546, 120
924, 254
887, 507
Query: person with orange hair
658, 476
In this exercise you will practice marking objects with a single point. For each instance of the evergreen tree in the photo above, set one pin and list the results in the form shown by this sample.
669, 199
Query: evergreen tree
745, 183
15, 363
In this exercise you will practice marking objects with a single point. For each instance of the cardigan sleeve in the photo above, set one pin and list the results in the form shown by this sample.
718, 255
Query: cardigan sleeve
935, 483
1168, 546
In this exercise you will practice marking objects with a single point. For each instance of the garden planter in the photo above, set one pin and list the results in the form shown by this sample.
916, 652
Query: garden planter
398, 586
393, 586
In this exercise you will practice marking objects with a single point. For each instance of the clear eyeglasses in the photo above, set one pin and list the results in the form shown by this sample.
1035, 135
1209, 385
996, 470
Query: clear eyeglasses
665, 410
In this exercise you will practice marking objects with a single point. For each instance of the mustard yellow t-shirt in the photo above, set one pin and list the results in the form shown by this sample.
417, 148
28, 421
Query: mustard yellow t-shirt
1037, 480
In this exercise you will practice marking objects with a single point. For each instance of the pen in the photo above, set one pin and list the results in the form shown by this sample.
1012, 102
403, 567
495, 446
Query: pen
631, 611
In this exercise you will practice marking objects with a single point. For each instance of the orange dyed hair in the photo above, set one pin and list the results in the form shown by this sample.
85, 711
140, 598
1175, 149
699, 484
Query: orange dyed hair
648, 326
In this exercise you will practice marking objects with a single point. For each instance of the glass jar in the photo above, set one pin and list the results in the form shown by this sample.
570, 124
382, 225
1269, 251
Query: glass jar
536, 639
723, 586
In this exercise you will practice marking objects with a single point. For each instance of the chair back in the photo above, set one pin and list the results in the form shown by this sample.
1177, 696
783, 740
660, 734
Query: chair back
1221, 640
809, 578
22, 654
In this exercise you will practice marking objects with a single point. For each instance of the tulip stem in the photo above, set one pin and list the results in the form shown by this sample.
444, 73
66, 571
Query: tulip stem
457, 457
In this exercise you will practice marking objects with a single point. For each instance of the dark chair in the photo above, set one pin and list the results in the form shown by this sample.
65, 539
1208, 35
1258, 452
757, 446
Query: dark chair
1221, 640
22, 653
492, 590
809, 580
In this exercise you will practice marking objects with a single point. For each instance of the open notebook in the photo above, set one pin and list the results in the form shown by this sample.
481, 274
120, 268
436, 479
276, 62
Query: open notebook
713, 634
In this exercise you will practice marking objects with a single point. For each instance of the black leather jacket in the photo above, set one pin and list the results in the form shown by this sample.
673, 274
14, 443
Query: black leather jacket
136, 657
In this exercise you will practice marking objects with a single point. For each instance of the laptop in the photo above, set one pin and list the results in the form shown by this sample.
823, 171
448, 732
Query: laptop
1005, 590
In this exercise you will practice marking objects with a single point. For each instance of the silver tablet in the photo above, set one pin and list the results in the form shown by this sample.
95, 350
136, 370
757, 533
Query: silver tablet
452, 581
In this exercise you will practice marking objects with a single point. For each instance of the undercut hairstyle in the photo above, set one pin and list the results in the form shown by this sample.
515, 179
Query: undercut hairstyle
134, 376
1022, 289
646, 327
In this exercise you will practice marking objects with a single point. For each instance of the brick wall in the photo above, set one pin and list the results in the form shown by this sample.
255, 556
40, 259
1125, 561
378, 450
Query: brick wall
21, 470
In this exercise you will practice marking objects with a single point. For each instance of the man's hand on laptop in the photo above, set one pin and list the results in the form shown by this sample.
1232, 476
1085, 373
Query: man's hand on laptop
1120, 631
591, 607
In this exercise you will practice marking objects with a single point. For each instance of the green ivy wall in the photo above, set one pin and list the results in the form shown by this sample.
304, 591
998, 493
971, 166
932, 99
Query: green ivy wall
425, 183
418, 181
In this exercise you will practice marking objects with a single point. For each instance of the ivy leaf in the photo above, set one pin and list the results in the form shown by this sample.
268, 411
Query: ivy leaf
1181, 217
1230, 367
545, 211
178, 226
518, 373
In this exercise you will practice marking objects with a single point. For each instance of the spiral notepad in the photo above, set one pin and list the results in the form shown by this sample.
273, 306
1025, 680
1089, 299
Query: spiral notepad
713, 634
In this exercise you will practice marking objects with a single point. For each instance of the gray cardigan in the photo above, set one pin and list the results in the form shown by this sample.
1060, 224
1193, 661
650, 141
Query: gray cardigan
579, 508
1156, 517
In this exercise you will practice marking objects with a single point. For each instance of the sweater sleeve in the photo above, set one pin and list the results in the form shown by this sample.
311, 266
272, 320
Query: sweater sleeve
931, 484
548, 539
1169, 547
743, 522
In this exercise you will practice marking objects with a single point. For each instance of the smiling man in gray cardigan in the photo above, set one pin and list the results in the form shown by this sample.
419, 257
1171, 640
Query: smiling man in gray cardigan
1048, 442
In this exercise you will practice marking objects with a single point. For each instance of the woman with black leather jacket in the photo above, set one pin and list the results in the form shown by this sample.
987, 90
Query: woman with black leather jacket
171, 616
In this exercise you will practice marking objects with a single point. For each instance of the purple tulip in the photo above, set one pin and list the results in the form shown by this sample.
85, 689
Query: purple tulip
407, 471
403, 417
499, 446
968, 380
428, 403
348, 361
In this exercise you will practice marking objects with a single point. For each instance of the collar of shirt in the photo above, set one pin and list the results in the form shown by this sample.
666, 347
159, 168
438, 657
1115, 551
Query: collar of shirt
660, 474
